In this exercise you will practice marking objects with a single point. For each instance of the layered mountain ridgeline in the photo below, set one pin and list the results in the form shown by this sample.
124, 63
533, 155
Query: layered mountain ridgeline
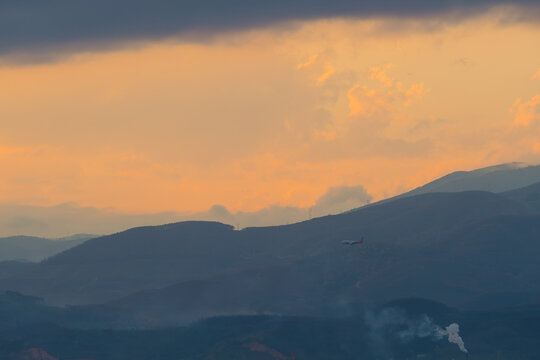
303, 293
450, 247
29, 248
484, 264
529, 195
403, 329
114, 266
470, 249
496, 179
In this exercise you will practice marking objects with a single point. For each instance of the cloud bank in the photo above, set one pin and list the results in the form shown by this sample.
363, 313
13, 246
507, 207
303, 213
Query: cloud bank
67, 219
36, 25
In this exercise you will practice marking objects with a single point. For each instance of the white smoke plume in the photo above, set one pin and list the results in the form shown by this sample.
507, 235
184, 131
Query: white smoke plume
406, 328
452, 331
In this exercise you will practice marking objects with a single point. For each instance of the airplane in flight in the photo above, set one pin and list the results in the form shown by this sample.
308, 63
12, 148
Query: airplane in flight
353, 242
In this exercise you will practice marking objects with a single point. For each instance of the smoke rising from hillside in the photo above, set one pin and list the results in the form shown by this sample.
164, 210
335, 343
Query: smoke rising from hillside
452, 331
393, 324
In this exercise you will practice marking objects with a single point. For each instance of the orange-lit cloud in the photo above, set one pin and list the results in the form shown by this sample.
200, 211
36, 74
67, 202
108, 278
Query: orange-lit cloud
415, 92
526, 112
386, 102
256, 119
379, 74
309, 62
366, 102
329, 71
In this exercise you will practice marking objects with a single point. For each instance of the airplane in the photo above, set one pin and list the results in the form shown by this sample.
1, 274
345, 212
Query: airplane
353, 242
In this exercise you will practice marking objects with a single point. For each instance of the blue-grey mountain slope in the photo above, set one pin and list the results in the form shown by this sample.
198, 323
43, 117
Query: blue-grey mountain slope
114, 266
496, 179
29, 248
529, 195
472, 266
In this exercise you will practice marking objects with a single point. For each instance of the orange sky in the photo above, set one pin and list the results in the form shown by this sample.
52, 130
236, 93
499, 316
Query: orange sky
270, 116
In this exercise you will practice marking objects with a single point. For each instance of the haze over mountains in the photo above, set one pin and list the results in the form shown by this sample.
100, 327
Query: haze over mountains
69, 218
397, 330
472, 250
454, 247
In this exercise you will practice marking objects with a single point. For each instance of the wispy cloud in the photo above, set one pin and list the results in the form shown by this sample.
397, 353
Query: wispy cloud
527, 112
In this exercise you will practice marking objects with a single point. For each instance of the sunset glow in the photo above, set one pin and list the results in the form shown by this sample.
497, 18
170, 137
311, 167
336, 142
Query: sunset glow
276, 115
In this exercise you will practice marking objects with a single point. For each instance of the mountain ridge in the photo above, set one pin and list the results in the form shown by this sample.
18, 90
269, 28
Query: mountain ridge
113, 266
31, 248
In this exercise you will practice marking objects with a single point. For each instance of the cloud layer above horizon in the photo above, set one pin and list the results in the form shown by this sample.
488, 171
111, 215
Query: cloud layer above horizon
63, 25
69, 218
258, 114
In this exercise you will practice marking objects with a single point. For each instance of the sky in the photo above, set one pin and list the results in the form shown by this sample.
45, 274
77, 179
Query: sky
260, 109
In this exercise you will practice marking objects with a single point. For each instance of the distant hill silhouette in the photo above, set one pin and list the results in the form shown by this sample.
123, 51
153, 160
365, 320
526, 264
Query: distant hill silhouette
496, 179
472, 267
301, 291
29, 248
113, 266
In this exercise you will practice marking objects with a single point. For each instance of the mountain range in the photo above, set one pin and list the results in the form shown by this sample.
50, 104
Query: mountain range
117, 265
468, 249
204, 290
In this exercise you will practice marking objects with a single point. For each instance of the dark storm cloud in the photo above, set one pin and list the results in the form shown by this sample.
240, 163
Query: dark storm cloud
34, 25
